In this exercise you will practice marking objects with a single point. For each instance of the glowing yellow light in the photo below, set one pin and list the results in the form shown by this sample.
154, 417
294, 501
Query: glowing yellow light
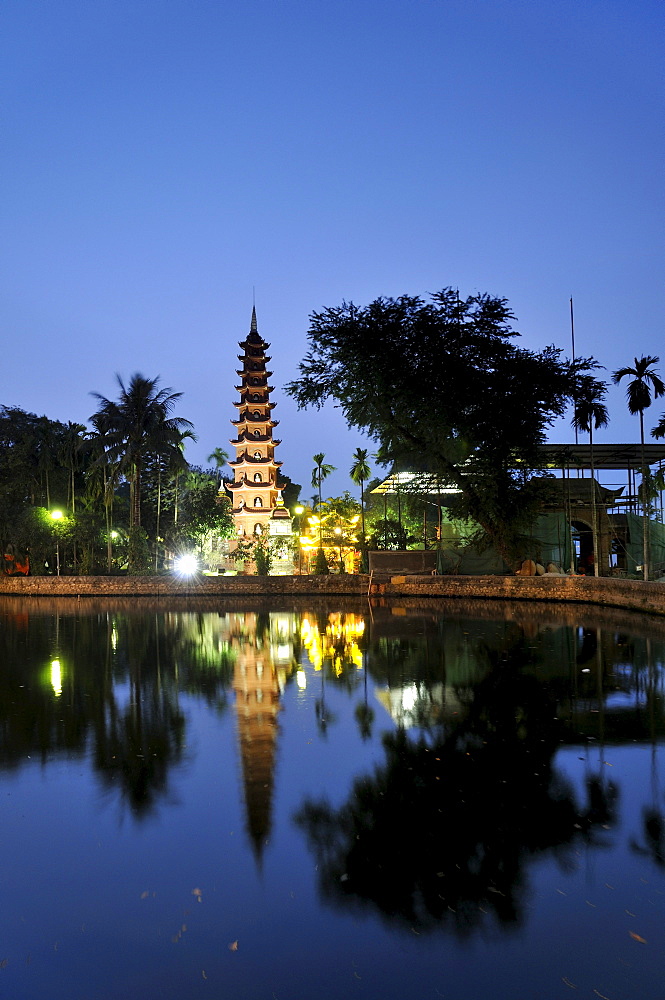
57, 515
56, 677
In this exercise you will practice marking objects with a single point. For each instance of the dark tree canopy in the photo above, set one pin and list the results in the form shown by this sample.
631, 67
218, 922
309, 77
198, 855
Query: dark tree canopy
443, 386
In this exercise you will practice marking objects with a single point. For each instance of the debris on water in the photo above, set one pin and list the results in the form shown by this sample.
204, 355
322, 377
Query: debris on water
568, 983
233, 946
637, 937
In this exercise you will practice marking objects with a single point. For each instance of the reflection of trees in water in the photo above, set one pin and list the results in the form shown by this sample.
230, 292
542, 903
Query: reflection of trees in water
120, 683
441, 834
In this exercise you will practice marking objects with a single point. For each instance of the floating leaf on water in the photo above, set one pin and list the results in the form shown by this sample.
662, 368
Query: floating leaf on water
637, 937
233, 946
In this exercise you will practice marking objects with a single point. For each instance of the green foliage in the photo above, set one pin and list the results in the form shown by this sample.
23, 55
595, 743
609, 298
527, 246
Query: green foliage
263, 555
261, 550
290, 491
138, 552
344, 506
321, 567
443, 386
203, 510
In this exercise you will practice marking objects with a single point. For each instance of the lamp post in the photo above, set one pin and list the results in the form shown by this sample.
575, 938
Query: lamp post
340, 540
299, 511
56, 515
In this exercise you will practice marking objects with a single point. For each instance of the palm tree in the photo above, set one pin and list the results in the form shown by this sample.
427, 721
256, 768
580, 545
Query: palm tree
590, 413
644, 381
360, 472
320, 472
219, 457
136, 425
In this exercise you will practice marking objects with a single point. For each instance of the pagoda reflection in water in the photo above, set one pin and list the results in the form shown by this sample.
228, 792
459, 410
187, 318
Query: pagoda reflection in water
263, 645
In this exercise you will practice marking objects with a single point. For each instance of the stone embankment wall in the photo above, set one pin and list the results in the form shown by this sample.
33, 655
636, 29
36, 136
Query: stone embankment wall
630, 594
170, 586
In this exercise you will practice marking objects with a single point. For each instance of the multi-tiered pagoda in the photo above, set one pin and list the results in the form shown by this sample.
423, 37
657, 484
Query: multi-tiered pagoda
257, 503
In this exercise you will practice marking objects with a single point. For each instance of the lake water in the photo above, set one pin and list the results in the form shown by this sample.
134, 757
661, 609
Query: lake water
310, 802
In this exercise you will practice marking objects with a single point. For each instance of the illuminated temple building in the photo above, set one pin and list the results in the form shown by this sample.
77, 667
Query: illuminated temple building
257, 505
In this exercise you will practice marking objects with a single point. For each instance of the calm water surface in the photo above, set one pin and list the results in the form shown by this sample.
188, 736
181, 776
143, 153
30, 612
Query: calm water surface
291, 803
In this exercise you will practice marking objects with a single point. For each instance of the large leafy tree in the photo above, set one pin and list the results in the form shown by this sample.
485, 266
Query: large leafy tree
35, 473
136, 425
443, 385
203, 511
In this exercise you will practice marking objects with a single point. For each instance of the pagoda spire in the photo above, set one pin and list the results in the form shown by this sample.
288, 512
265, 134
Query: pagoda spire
254, 327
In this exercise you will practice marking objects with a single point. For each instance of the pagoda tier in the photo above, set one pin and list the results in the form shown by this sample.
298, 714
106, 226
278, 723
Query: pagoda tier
255, 495
256, 370
255, 397
252, 460
252, 484
257, 385
253, 356
254, 418
245, 438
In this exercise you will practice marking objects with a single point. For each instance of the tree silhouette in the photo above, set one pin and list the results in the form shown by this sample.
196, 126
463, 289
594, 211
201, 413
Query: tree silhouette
590, 413
136, 424
644, 381
360, 473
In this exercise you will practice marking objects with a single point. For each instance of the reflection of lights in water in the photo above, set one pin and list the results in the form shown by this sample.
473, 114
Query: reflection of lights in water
56, 677
409, 697
415, 705
301, 679
338, 643
114, 638
283, 653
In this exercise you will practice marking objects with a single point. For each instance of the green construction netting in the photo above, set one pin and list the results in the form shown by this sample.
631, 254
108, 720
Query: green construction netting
551, 543
633, 545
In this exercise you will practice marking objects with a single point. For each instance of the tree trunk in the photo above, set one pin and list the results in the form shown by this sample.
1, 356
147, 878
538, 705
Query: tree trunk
645, 523
594, 520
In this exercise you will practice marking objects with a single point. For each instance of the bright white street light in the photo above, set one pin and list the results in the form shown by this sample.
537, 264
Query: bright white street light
185, 565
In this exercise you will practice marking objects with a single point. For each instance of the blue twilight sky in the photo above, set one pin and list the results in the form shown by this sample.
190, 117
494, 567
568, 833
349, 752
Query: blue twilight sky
161, 159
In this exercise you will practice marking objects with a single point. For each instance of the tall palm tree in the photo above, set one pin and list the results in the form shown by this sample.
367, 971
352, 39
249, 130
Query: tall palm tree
644, 381
590, 413
219, 457
320, 472
136, 425
360, 473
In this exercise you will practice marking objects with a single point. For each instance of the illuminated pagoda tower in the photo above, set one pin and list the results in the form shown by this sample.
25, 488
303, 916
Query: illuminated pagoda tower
257, 505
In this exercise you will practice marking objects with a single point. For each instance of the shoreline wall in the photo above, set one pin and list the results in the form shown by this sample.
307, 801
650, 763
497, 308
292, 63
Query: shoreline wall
629, 594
